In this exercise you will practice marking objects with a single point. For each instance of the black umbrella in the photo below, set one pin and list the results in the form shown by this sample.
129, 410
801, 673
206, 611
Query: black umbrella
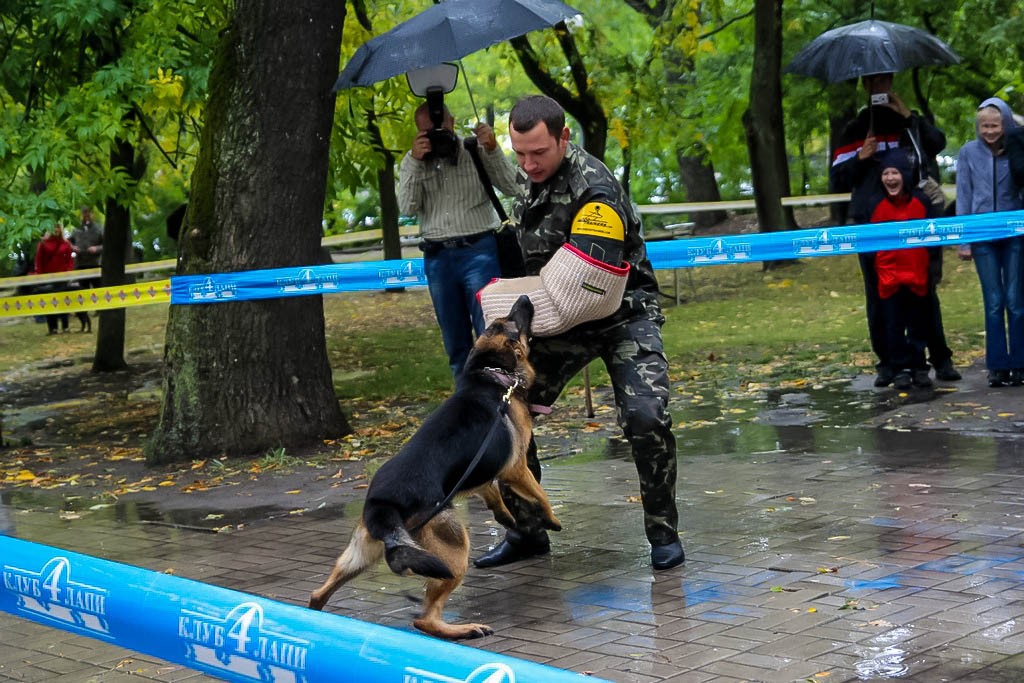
446, 32
869, 47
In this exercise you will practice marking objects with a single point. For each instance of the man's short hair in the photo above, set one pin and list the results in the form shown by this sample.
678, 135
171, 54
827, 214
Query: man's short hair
533, 109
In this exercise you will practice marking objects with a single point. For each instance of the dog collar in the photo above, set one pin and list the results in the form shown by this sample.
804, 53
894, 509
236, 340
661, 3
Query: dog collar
507, 380
502, 377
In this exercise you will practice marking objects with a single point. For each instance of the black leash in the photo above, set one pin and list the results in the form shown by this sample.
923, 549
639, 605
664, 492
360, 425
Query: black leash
502, 412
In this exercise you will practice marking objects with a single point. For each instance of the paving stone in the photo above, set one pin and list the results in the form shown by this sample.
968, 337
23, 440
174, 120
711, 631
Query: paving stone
937, 570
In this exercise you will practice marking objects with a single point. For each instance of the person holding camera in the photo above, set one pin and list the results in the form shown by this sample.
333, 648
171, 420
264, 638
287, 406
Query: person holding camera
887, 126
438, 182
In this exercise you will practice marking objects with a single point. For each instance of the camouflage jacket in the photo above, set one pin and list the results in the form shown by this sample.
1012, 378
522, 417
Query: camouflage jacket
542, 216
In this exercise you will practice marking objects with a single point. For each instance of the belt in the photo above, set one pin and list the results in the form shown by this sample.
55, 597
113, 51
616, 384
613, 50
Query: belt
434, 246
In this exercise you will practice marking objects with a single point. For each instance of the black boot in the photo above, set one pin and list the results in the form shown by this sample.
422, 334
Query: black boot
515, 547
947, 372
668, 555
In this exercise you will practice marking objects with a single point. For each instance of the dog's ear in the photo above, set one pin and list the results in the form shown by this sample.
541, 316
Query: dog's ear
522, 315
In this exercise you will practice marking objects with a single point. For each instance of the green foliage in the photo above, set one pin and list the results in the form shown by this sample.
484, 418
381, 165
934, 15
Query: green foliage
76, 75
80, 75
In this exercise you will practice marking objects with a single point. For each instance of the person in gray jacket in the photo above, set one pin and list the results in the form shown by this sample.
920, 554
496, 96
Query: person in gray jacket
983, 185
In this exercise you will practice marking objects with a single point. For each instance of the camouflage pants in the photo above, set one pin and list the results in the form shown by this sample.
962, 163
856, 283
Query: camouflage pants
635, 358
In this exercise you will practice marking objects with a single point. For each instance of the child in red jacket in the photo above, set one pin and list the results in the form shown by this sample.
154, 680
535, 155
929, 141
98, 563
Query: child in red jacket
903, 278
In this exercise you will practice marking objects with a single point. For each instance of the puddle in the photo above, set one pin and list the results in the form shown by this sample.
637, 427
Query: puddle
830, 424
881, 663
66, 510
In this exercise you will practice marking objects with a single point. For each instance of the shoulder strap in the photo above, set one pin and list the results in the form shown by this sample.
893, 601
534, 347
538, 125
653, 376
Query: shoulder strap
471, 146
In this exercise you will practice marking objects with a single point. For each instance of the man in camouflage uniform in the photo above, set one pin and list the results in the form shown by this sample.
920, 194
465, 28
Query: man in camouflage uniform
564, 187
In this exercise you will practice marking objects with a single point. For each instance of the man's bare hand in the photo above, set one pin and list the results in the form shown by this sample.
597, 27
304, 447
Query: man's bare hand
420, 146
868, 149
485, 136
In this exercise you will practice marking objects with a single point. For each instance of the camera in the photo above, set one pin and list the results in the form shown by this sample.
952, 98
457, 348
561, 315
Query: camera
880, 98
444, 145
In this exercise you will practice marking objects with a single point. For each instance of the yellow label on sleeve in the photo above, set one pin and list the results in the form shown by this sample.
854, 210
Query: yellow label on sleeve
598, 219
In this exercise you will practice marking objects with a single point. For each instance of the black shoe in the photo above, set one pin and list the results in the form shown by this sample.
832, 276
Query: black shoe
668, 555
947, 372
509, 551
1016, 377
921, 378
902, 381
998, 378
884, 378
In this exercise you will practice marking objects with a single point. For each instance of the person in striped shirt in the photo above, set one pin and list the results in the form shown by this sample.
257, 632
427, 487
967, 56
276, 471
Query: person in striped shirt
457, 223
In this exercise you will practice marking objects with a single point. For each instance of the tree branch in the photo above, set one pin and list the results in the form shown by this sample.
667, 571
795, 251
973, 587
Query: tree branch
651, 13
152, 136
541, 78
745, 15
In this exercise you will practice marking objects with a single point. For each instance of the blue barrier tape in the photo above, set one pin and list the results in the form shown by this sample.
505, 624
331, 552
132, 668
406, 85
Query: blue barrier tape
833, 241
684, 253
232, 635
281, 282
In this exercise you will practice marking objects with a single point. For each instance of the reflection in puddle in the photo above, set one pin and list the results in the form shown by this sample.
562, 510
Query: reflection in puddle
71, 509
881, 663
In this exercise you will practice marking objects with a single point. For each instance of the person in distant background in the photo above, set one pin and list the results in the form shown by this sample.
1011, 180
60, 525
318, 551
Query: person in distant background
984, 183
87, 245
53, 255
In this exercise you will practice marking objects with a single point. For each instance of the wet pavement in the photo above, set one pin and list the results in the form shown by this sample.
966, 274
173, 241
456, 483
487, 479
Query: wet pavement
832, 533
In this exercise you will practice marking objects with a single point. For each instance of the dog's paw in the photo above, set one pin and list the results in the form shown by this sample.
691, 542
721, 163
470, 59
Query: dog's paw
553, 524
475, 631
442, 629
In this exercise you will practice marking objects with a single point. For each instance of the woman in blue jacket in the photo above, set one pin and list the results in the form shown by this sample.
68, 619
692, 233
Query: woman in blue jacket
984, 184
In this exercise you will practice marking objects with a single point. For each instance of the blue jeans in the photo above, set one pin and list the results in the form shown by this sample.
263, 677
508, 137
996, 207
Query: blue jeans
454, 276
998, 264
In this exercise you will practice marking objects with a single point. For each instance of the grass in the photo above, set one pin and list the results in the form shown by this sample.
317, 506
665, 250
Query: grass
736, 324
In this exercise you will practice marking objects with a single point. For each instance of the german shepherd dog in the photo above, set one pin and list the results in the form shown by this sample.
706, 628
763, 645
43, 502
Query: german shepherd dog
407, 518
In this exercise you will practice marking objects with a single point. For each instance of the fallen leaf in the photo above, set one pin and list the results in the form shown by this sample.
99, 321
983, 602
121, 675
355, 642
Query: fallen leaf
293, 492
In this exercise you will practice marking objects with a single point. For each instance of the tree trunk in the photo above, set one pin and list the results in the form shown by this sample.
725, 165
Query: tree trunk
386, 189
698, 176
117, 252
389, 209
763, 122
243, 377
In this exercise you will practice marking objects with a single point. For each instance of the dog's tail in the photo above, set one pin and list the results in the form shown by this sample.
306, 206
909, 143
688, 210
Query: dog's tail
401, 551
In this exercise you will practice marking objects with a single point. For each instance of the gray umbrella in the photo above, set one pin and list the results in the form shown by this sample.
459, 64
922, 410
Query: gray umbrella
447, 32
869, 47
